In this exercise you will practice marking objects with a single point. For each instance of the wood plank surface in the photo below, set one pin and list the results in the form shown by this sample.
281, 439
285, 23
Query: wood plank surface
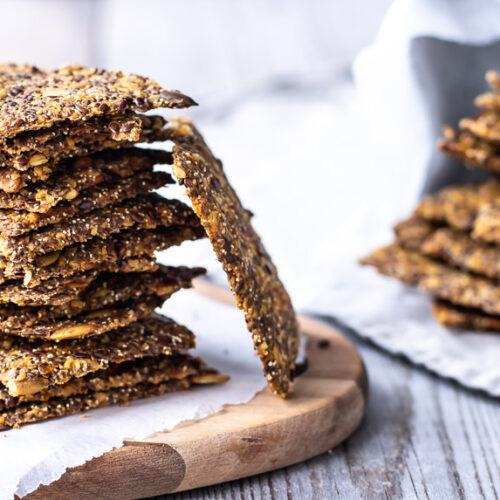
422, 438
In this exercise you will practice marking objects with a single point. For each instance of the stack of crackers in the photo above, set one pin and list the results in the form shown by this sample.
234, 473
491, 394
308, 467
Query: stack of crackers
450, 246
79, 227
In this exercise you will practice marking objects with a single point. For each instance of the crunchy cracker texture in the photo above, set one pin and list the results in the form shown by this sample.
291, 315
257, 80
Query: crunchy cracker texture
463, 318
48, 146
58, 407
458, 249
101, 254
127, 374
449, 284
16, 222
79, 174
413, 232
13, 180
471, 150
27, 368
57, 291
36, 99
107, 291
144, 212
93, 323
252, 275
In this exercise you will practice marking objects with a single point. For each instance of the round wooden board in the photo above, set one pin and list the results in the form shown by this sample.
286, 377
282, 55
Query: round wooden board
268, 433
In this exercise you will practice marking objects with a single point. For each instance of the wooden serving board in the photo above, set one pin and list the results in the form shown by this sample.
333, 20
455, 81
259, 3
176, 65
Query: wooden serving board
267, 433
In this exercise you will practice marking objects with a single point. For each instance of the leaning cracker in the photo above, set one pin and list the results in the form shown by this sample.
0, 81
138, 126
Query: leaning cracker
455, 286
463, 318
252, 275
105, 292
75, 93
27, 368
143, 212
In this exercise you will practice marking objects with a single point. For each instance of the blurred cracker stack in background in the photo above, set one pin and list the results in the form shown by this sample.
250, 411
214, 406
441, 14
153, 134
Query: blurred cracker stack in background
79, 226
450, 246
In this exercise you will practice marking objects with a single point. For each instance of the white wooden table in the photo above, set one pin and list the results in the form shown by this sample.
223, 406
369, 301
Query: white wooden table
423, 437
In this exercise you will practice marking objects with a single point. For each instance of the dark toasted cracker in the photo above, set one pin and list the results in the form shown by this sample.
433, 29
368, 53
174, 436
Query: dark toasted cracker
100, 254
80, 174
39, 99
29, 367
92, 323
473, 151
411, 233
447, 283
464, 318
143, 212
127, 374
16, 223
13, 180
458, 206
58, 407
105, 292
487, 223
252, 275
459, 249
54, 291
485, 126
71, 139
58, 291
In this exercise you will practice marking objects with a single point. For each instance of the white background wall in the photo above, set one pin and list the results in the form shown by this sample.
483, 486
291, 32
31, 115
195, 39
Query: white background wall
214, 48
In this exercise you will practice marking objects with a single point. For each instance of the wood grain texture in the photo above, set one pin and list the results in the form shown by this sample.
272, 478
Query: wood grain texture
422, 438
326, 406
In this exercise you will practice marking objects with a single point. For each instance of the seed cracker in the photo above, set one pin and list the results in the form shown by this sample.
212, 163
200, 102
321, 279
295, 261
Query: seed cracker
16, 222
105, 292
100, 254
29, 367
458, 206
411, 233
485, 126
459, 249
474, 152
42, 98
463, 318
252, 275
58, 407
79, 174
57, 291
127, 374
92, 323
71, 139
143, 212
440, 280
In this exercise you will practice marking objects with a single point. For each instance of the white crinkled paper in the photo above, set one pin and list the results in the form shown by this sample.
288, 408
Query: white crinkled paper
54, 445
